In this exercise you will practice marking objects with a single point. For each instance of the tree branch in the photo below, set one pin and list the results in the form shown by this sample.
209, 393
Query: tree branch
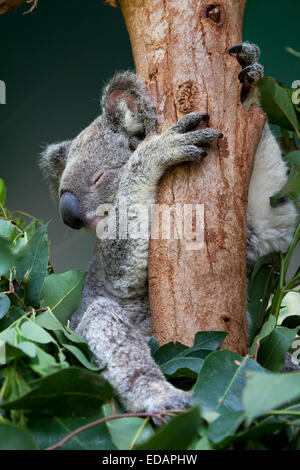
158, 415
9, 5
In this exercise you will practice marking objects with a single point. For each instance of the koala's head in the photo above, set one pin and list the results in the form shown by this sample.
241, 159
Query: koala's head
85, 172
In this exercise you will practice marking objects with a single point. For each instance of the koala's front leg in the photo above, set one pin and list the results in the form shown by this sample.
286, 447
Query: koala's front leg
248, 54
180, 143
131, 370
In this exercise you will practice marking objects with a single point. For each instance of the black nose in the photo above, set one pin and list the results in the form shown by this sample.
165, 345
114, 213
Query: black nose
70, 211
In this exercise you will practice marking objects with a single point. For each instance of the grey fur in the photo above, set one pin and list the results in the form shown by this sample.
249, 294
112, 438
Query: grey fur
115, 315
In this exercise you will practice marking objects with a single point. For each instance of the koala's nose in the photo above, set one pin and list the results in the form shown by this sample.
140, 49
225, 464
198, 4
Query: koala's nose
70, 211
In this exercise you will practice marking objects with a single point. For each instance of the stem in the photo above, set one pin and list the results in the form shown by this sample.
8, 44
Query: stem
284, 264
283, 412
159, 415
139, 432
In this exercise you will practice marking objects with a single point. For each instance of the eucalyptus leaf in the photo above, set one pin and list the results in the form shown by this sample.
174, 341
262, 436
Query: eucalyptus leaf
11, 316
62, 293
278, 105
32, 269
178, 434
225, 425
49, 431
221, 381
128, 433
265, 331
4, 305
291, 188
266, 391
272, 352
33, 332
14, 437
69, 392
10, 255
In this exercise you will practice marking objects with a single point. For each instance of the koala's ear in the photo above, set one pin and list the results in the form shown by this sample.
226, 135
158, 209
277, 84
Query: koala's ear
52, 163
127, 107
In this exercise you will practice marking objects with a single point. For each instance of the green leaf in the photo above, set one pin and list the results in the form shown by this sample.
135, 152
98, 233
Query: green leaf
32, 331
277, 103
209, 339
45, 364
225, 426
266, 391
178, 434
6, 228
127, 431
34, 266
62, 293
177, 360
48, 321
271, 353
260, 287
265, 331
182, 367
14, 437
2, 192
10, 255
69, 392
292, 187
15, 348
4, 305
80, 356
221, 382
49, 431
169, 351
201, 443
293, 157
11, 316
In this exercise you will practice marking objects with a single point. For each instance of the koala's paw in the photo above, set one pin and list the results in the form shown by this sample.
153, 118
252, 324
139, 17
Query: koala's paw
186, 144
248, 54
174, 399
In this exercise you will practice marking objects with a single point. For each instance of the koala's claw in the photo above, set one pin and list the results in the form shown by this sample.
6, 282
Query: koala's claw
178, 401
246, 53
201, 137
189, 121
252, 73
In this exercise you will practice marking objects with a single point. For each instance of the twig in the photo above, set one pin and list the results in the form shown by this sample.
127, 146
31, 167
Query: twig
35, 2
159, 415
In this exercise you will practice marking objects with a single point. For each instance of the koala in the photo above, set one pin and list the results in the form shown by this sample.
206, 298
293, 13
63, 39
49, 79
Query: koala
119, 155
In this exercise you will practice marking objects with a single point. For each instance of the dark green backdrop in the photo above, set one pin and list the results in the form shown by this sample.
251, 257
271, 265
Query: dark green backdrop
55, 62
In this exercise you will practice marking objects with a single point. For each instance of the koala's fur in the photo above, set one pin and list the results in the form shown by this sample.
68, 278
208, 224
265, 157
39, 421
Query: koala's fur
115, 315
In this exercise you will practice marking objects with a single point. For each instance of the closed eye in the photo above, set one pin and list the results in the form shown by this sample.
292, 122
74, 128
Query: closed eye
97, 179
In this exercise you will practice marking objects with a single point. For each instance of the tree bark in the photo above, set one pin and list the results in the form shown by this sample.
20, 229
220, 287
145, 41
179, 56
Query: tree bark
180, 50
8, 5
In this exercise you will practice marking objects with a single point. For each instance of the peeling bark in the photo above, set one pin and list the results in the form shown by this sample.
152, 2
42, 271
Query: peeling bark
180, 50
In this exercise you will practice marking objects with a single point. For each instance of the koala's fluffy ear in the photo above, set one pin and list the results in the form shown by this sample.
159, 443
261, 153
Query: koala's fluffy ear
127, 107
52, 163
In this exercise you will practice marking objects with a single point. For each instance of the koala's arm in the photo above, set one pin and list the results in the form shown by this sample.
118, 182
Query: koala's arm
138, 186
130, 368
147, 164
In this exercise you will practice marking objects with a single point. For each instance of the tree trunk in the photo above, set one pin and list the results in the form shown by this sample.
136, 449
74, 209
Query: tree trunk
180, 50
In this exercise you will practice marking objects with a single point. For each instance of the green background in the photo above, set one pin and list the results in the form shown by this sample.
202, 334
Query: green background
55, 62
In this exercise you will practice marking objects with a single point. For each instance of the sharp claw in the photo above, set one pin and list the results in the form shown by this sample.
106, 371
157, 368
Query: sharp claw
244, 73
205, 118
235, 49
